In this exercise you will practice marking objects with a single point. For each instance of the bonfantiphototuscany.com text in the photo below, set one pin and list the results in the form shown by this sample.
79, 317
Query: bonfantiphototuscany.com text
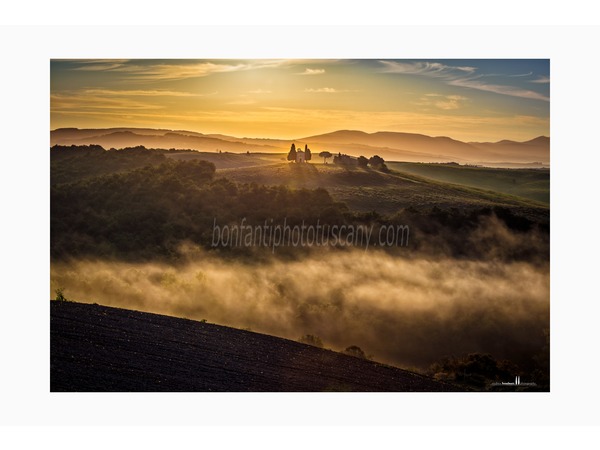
274, 234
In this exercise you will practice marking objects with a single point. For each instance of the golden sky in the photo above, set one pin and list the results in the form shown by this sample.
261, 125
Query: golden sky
469, 100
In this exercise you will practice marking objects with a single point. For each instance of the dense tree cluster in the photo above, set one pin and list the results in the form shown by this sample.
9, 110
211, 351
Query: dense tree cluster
344, 160
147, 212
72, 163
378, 163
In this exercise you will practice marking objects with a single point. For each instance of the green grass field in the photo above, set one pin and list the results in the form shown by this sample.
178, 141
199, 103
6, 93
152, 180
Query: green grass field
533, 184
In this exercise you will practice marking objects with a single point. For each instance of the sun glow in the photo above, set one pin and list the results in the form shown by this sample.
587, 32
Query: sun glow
290, 99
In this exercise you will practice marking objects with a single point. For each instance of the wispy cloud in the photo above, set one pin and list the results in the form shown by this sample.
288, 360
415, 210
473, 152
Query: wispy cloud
444, 102
100, 64
62, 102
426, 68
327, 90
117, 100
141, 93
461, 76
312, 72
498, 89
518, 75
541, 79
260, 91
168, 71
158, 72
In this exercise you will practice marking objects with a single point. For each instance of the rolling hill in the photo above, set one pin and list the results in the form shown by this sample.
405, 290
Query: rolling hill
396, 146
123, 137
368, 190
392, 146
533, 184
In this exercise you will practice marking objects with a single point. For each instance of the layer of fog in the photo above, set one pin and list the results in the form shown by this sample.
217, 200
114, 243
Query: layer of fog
407, 312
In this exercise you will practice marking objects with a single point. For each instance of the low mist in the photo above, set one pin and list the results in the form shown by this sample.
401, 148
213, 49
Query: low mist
403, 311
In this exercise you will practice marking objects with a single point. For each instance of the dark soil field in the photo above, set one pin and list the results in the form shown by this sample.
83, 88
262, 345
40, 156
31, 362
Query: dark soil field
97, 348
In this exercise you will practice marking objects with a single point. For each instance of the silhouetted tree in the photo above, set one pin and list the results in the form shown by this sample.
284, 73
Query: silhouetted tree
307, 153
344, 160
292, 154
362, 161
325, 155
377, 162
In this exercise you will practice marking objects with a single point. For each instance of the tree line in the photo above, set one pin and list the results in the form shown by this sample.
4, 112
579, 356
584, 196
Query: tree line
375, 162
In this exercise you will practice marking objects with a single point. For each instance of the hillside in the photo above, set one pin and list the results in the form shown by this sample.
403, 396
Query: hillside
177, 140
392, 146
98, 348
369, 190
533, 184
537, 149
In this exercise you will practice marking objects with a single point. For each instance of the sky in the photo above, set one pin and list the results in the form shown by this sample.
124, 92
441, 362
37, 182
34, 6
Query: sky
483, 100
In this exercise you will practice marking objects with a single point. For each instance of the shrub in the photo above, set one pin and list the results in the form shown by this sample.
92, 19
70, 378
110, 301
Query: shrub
60, 297
355, 351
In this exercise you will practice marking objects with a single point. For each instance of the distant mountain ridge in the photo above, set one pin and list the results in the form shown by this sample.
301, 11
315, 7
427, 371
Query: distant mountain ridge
391, 145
